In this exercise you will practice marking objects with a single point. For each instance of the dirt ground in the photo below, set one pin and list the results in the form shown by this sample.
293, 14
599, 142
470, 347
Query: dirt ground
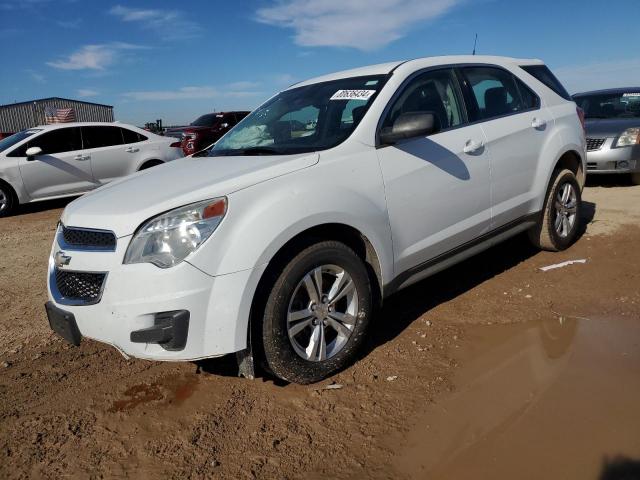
88, 413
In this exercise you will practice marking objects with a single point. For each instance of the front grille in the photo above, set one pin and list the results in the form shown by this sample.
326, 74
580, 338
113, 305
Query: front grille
595, 143
81, 287
86, 238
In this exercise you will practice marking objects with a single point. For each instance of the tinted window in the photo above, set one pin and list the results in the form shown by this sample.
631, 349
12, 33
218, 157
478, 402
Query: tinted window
610, 105
130, 136
497, 92
435, 92
208, 120
544, 75
56, 141
10, 141
96, 137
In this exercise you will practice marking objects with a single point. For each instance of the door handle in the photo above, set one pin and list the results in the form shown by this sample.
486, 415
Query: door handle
538, 123
131, 149
472, 147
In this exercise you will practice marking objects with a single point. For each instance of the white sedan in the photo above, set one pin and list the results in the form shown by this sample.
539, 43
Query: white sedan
67, 159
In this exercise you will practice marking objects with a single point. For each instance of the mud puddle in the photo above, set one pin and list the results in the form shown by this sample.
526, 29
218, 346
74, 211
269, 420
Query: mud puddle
549, 399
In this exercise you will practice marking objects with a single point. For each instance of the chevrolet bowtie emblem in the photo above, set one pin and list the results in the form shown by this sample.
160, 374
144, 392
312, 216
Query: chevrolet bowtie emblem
61, 259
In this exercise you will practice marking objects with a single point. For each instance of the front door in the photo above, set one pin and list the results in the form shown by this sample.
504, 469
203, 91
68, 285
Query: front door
437, 187
62, 168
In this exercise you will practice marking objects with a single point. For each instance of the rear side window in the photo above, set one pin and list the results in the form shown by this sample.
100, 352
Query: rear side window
56, 141
96, 137
544, 75
129, 136
497, 92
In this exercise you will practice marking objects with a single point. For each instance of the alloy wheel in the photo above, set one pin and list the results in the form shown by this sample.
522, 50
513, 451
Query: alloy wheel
322, 313
566, 209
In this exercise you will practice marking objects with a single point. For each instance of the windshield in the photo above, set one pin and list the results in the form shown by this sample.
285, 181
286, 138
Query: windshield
304, 119
208, 120
15, 138
610, 105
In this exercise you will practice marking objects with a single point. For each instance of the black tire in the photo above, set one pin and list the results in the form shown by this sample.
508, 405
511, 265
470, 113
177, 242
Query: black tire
635, 178
8, 200
151, 163
278, 349
545, 235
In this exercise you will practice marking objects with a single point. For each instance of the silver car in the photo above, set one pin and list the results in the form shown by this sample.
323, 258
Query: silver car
613, 131
66, 159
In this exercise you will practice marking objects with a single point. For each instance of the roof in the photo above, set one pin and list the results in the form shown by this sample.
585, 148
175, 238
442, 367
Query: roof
55, 98
608, 91
53, 126
386, 68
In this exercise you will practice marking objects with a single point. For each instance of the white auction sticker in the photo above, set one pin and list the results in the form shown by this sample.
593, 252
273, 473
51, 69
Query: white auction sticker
631, 94
352, 95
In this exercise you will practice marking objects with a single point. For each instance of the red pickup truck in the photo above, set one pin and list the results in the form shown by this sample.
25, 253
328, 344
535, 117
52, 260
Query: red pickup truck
205, 130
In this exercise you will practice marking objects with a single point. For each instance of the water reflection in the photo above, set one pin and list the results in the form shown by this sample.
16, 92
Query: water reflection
548, 399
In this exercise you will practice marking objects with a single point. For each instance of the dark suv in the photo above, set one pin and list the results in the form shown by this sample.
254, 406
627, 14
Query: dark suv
205, 130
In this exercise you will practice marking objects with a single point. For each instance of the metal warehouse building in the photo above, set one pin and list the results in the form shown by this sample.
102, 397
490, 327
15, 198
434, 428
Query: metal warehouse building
18, 116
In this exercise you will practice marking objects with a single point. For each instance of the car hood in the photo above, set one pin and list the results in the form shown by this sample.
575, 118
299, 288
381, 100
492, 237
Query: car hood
121, 206
609, 127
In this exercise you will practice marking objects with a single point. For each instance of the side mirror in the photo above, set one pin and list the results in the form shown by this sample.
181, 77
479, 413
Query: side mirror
33, 152
409, 125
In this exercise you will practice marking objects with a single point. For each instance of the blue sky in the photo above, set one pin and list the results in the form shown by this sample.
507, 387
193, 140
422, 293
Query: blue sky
176, 60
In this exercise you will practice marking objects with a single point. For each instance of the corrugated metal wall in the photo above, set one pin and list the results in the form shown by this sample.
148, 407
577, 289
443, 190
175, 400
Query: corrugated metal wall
19, 116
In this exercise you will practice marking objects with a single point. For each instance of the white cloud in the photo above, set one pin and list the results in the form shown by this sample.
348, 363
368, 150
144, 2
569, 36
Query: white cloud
243, 85
87, 92
594, 76
93, 57
192, 93
168, 24
361, 24
36, 77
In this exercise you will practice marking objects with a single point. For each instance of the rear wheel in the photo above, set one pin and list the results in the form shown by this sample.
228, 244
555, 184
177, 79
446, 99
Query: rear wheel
558, 227
316, 314
7, 200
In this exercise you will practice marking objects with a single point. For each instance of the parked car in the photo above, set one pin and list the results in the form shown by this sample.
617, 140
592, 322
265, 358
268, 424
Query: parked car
331, 196
613, 131
69, 159
205, 130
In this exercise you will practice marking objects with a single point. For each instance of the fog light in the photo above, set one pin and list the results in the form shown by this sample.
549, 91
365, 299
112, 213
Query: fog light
623, 165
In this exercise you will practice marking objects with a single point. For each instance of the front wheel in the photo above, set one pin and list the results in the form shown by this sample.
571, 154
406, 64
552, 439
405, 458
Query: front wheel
558, 226
316, 314
7, 200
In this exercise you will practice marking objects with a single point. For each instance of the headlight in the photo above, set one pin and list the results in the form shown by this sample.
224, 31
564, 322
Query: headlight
631, 136
168, 239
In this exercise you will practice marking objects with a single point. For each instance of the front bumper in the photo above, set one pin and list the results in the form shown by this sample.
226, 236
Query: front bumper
133, 296
607, 159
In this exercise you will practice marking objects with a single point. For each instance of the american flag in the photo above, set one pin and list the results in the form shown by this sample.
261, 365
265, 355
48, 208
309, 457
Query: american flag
59, 115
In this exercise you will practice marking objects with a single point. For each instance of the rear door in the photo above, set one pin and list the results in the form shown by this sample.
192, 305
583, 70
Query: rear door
437, 186
111, 158
516, 127
62, 168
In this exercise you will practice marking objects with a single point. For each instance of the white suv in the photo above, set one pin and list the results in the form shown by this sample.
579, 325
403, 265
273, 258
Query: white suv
334, 194
66, 159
